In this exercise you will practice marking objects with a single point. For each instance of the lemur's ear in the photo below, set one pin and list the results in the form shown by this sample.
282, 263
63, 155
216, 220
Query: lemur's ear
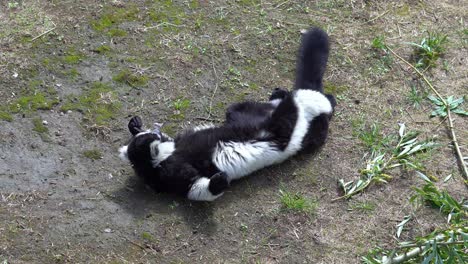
135, 125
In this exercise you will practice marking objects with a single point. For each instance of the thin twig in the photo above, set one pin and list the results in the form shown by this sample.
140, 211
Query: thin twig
377, 17
47, 32
450, 121
215, 89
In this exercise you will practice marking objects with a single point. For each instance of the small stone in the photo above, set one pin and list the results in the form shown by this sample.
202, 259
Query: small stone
15, 75
107, 230
69, 111
62, 113
45, 123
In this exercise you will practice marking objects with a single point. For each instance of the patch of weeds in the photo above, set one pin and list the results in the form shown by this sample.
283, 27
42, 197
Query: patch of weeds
372, 137
429, 50
362, 206
117, 32
180, 106
39, 127
115, 16
33, 102
103, 49
378, 43
380, 162
441, 246
5, 116
330, 88
452, 103
147, 236
92, 154
127, 77
385, 60
168, 15
72, 57
429, 194
99, 104
415, 97
296, 202
234, 78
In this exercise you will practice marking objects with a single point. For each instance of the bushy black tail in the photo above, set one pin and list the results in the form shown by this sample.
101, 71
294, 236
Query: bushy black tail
312, 60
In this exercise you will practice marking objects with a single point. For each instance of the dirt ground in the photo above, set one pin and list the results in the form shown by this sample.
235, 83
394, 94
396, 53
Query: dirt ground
73, 72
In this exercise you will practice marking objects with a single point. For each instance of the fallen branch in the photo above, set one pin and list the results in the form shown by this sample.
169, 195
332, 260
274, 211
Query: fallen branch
45, 33
450, 121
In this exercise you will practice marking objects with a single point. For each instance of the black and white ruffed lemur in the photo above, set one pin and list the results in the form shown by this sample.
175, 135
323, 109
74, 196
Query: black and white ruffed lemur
201, 162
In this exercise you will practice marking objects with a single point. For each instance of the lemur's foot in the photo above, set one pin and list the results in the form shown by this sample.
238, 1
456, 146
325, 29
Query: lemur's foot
218, 183
135, 125
278, 93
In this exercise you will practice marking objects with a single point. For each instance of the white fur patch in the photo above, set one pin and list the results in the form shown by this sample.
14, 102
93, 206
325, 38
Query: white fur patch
275, 102
238, 159
310, 104
123, 153
161, 151
200, 191
203, 127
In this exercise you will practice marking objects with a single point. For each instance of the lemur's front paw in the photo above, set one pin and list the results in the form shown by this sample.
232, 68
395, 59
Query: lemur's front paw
135, 125
218, 183
278, 93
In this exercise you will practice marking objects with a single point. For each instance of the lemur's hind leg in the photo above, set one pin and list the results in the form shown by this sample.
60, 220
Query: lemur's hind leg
135, 125
254, 113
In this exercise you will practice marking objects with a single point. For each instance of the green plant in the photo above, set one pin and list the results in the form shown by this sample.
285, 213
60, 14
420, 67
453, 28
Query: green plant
429, 194
379, 43
441, 246
429, 50
296, 202
364, 206
181, 104
415, 97
441, 107
382, 161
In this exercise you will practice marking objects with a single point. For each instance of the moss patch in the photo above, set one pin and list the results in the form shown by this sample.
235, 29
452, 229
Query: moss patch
330, 88
127, 77
93, 154
115, 16
5, 116
39, 127
98, 104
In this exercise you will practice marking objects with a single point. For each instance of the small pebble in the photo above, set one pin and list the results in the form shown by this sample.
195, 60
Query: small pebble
45, 123
107, 230
69, 111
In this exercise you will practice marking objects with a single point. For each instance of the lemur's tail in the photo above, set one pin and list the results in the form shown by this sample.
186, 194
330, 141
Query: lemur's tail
312, 60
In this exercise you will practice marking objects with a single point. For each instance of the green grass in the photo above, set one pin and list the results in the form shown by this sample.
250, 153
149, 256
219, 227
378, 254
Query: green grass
99, 104
115, 16
127, 77
181, 104
296, 202
93, 154
5, 116
116, 32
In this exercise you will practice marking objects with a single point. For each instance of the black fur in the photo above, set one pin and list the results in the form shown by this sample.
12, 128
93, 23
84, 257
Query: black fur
193, 150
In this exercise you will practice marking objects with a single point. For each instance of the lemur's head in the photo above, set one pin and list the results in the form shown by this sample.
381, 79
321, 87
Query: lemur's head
147, 148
